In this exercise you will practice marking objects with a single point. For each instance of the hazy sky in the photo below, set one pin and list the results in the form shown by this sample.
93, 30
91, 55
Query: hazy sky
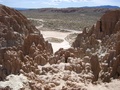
57, 3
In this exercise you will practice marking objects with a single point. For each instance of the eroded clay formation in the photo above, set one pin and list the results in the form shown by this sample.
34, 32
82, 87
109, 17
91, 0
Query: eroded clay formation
95, 55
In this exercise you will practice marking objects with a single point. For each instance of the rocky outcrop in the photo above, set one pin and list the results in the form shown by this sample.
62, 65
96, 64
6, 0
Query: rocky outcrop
39, 41
13, 27
95, 54
102, 39
108, 24
22, 47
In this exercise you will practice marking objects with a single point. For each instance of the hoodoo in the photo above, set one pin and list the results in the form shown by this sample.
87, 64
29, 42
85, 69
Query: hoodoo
103, 39
93, 58
20, 43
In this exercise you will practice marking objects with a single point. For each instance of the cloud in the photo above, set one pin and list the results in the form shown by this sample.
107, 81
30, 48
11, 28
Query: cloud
57, 2
103, 2
71, 0
50, 3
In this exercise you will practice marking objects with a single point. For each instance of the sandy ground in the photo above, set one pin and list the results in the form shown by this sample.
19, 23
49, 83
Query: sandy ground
60, 35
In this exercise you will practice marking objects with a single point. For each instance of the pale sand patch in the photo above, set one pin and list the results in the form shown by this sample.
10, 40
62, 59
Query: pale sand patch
57, 46
55, 34
59, 35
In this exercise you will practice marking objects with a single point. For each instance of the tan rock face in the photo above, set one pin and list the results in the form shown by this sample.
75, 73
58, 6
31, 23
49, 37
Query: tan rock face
103, 40
13, 27
108, 24
22, 47
37, 40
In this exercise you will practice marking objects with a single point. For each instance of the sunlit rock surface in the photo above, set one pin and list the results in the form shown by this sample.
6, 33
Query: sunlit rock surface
20, 44
93, 59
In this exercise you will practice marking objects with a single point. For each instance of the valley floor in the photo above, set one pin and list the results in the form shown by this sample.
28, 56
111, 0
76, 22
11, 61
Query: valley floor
60, 35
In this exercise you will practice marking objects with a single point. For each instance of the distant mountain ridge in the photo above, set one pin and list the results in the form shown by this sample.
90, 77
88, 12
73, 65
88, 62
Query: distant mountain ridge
103, 6
21, 9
